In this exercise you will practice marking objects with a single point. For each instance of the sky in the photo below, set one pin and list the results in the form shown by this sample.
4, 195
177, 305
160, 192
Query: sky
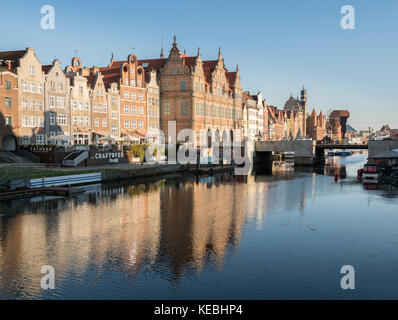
279, 45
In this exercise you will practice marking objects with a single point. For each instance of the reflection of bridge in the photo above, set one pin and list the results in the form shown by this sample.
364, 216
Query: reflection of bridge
308, 152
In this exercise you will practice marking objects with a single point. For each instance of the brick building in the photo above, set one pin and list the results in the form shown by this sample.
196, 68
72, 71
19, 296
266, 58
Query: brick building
197, 94
9, 115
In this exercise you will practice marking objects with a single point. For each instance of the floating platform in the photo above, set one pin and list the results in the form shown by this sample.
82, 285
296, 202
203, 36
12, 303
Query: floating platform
47, 191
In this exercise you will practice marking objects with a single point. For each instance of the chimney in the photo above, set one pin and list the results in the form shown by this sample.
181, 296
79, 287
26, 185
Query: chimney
8, 62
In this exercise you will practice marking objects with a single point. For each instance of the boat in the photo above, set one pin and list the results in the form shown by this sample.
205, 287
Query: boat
343, 153
371, 171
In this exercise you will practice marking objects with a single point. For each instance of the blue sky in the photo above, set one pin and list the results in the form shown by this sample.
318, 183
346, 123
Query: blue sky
279, 45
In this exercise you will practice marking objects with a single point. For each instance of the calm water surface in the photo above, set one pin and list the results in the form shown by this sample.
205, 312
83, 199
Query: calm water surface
224, 237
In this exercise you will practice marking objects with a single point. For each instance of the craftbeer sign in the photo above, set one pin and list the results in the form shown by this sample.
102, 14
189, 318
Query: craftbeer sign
112, 157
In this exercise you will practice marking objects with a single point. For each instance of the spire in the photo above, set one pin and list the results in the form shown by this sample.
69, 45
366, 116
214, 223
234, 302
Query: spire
237, 68
185, 52
161, 50
198, 52
175, 40
219, 53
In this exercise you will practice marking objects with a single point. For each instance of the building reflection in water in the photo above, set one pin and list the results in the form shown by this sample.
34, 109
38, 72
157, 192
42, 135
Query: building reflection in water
171, 227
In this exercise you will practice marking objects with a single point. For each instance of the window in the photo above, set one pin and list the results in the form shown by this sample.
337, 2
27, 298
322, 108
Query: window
60, 87
52, 101
75, 121
140, 124
40, 139
8, 121
25, 121
8, 85
96, 122
80, 90
39, 88
99, 108
114, 128
140, 96
32, 121
126, 95
104, 123
8, 102
133, 109
133, 96
184, 108
52, 119
25, 140
134, 124
61, 102
86, 121
196, 86
126, 123
32, 104
86, 107
24, 86
114, 115
126, 109
74, 104
95, 108
166, 108
132, 82
24, 103
104, 108
183, 86
32, 70
98, 93
32, 87
140, 110
52, 85
166, 85
202, 112
114, 102
40, 105
61, 119
40, 122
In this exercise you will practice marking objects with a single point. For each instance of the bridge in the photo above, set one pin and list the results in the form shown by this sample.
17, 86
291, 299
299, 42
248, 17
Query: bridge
309, 152
342, 146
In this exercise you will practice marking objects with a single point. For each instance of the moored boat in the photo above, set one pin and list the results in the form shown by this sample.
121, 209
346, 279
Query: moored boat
371, 171
343, 153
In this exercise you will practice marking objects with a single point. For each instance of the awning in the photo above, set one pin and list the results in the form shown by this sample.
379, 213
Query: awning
62, 137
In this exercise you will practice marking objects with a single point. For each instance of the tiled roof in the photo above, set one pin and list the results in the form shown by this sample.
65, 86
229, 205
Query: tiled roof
12, 55
46, 68
231, 76
152, 64
208, 68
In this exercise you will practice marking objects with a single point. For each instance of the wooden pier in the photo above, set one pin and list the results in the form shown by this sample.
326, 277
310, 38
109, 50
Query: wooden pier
47, 191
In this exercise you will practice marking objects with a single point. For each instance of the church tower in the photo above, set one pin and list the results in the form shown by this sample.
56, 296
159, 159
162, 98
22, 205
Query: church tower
303, 104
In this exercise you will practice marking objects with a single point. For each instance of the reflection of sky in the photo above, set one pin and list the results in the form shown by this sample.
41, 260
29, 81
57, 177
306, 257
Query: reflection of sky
280, 236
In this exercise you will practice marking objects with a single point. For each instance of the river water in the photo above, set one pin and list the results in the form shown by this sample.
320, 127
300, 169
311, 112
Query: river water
223, 237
